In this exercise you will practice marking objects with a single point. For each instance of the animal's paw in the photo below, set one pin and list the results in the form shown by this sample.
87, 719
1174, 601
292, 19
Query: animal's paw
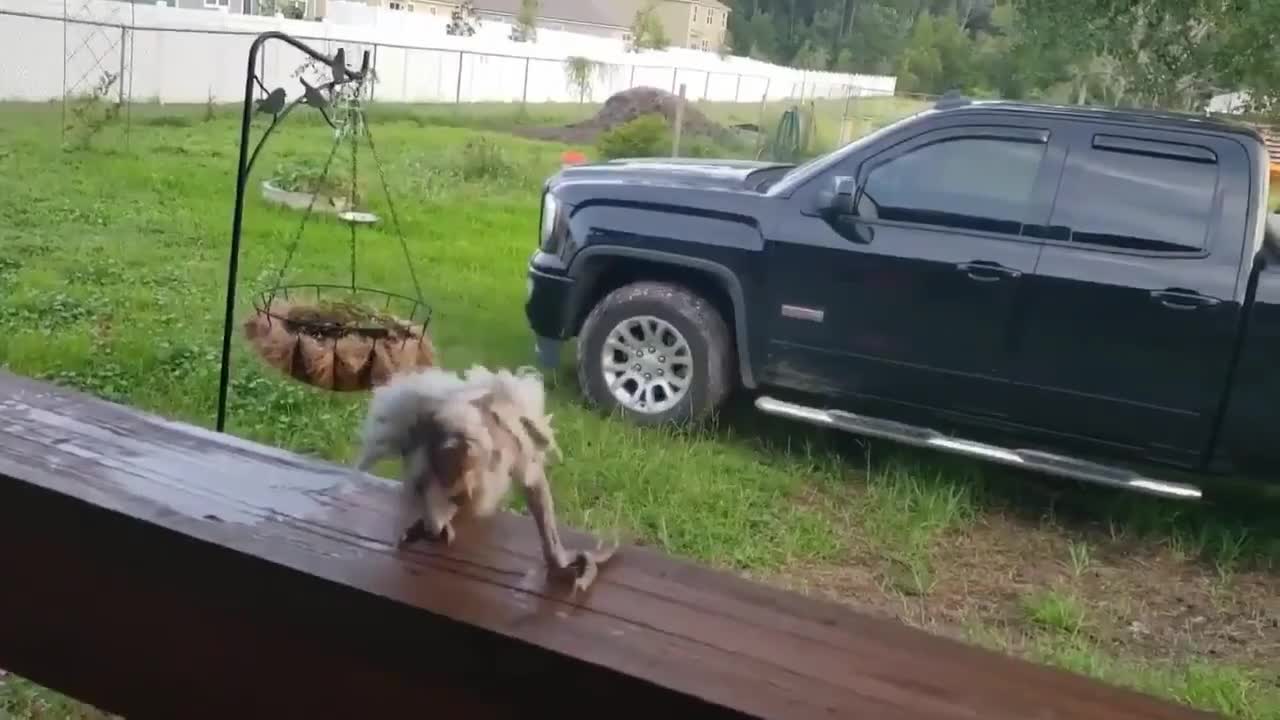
586, 565
418, 531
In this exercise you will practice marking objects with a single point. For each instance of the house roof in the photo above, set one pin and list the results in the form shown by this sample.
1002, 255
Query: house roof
590, 12
710, 3
613, 13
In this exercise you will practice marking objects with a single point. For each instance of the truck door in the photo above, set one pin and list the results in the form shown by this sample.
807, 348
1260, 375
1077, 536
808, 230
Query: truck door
1131, 313
910, 299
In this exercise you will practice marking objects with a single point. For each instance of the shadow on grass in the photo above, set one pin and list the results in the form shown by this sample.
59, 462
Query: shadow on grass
1233, 529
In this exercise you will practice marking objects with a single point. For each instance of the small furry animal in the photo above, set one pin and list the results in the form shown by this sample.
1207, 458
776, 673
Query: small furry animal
462, 441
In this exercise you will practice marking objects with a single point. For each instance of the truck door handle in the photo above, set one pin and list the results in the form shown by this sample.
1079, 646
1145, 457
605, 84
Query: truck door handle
1183, 299
987, 270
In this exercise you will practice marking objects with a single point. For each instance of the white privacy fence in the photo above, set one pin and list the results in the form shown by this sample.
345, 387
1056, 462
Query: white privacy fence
174, 55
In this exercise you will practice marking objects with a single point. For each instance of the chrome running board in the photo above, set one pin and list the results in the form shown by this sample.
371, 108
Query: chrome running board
1034, 460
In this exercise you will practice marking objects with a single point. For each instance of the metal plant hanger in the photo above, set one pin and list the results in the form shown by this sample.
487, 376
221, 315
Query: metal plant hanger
319, 333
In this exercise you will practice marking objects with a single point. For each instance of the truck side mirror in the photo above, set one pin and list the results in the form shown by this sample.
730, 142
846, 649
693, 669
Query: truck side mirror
838, 200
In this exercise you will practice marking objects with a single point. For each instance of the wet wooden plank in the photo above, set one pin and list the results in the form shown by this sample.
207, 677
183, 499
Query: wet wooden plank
161, 570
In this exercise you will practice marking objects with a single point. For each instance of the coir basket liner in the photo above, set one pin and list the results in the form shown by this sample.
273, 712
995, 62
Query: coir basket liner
332, 346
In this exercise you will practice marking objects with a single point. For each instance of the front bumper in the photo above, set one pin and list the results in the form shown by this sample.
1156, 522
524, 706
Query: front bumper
547, 309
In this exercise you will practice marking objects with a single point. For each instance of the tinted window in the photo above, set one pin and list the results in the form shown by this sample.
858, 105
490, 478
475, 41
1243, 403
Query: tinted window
1155, 196
969, 183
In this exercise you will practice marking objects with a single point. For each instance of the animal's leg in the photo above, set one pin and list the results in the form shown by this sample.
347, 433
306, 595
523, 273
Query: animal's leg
581, 565
370, 454
413, 470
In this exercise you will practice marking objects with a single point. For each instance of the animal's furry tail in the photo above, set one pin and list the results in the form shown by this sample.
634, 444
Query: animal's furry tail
524, 390
398, 406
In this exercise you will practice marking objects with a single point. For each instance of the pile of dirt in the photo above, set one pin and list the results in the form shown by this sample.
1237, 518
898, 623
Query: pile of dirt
626, 106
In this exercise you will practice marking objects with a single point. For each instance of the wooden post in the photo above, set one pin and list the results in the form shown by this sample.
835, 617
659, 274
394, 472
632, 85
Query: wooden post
844, 119
764, 101
675, 142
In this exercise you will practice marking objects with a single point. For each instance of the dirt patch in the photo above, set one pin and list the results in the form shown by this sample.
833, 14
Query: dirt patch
625, 107
1136, 601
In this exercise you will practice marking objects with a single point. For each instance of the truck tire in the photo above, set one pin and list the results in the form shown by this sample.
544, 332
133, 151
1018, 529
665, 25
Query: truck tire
655, 353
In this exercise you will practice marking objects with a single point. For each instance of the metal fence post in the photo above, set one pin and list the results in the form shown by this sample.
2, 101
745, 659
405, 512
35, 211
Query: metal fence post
373, 86
458, 94
120, 78
737, 90
524, 94
633, 78
675, 142
706, 87
675, 73
404, 78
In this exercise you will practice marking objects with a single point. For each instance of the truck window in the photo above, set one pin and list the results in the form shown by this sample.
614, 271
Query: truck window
1137, 194
967, 183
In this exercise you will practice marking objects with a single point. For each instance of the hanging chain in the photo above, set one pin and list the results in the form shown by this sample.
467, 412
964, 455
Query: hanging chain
352, 127
395, 219
353, 118
297, 237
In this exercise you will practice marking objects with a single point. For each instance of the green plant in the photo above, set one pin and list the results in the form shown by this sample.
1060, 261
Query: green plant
701, 147
463, 19
525, 28
580, 72
483, 159
1056, 611
646, 136
91, 112
305, 178
647, 31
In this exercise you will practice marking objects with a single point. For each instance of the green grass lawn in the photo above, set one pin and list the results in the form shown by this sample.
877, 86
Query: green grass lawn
112, 278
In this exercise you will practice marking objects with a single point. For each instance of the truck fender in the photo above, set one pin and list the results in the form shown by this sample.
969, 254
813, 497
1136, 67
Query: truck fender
723, 276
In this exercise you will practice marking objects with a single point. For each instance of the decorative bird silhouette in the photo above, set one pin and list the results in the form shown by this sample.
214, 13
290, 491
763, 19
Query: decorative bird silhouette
273, 103
339, 66
315, 98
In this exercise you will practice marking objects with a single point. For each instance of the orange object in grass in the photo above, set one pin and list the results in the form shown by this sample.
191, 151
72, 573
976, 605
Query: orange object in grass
572, 157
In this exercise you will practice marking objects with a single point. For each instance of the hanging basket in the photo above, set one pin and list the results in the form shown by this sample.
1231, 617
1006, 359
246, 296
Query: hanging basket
336, 342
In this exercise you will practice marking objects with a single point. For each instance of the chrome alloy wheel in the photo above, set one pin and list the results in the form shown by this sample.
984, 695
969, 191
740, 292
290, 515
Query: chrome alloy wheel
647, 364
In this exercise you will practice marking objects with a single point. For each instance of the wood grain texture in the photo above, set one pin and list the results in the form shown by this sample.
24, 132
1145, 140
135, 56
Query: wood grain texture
158, 569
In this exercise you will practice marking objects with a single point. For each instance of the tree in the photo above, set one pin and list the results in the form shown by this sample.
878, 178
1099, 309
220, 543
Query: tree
463, 19
1173, 54
811, 57
580, 73
525, 28
647, 32
293, 9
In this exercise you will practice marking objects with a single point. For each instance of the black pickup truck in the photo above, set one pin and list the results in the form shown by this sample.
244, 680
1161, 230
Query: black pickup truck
1084, 292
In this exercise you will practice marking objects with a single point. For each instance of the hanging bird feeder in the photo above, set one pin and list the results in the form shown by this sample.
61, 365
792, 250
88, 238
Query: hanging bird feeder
340, 336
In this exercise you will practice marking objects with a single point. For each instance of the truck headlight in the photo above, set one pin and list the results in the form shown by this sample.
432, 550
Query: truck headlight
550, 211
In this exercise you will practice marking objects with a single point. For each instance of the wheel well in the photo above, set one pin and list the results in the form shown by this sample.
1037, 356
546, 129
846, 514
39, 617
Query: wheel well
608, 274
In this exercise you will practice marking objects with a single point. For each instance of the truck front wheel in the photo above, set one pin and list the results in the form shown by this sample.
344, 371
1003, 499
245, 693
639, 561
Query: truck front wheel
656, 353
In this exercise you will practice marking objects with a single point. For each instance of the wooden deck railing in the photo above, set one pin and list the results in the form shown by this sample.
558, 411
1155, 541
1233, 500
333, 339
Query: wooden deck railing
159, 570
